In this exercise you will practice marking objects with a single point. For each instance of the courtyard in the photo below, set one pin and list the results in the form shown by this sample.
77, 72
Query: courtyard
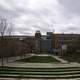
40, 67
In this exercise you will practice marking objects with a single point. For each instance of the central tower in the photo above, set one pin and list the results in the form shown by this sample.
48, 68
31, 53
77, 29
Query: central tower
37, 41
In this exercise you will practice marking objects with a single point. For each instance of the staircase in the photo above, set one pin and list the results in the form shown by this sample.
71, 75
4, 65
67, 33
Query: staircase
68, 73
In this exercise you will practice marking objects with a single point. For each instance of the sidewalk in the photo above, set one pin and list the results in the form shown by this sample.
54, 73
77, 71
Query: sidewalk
12, 59
60, 59
62, 63
35, 79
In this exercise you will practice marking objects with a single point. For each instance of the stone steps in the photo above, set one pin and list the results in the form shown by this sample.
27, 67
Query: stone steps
40, 73
41, 76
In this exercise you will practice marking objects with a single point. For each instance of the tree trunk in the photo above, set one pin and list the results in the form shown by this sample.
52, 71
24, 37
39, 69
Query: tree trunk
2, 61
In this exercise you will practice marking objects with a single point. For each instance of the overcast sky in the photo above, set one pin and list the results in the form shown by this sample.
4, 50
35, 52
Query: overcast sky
61, 16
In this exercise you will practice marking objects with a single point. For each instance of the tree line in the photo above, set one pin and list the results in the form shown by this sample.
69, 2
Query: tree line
10, 46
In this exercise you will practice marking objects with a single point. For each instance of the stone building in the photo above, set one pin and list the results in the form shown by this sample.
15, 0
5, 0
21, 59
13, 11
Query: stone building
67, 42
50, 43
43, 43
58, 44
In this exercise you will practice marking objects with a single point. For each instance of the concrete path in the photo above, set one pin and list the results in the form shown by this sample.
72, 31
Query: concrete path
40, 65
60, 59
12, 59
35, 79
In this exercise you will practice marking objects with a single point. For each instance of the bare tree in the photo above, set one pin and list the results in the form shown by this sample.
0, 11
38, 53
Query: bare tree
3, 26
10, 29
5, 29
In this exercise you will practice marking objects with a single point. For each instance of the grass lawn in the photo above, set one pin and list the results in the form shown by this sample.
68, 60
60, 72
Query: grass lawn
39, 59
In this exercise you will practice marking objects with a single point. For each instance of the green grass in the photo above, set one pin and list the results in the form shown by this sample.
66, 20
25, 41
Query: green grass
39, 59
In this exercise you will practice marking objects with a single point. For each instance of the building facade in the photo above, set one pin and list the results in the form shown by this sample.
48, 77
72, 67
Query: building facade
51, 43
44, 43
57, 43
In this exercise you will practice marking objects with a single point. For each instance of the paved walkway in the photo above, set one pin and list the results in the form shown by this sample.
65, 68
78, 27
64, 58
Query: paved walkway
40, 65
12, 59
36, 79
60, 59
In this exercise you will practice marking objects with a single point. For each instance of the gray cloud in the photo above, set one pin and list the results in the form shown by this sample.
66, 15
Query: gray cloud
71, 6
32, 15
